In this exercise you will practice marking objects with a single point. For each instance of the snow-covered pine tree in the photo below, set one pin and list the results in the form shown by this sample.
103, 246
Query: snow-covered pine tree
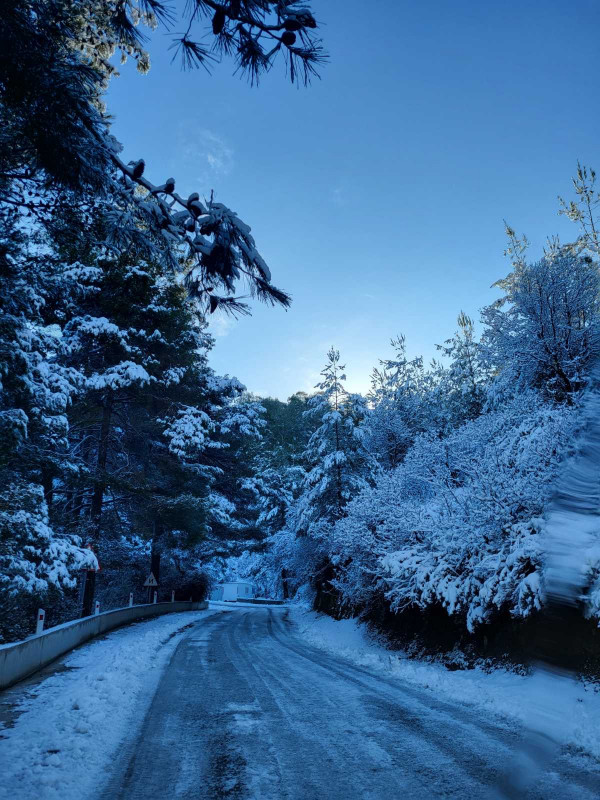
277, 474
338, 466
272, 492
36, 390
463, 379
197, 506
152, 425
274, 482
396, 400
59, 159
239, 417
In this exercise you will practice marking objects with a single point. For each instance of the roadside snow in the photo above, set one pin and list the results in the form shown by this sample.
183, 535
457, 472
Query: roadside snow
71, 723
562, 708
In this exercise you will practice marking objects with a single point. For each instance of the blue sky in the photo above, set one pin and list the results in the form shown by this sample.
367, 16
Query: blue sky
377, 194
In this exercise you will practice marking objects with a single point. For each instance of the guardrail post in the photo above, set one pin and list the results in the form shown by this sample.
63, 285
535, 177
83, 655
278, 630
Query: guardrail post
130, 599
155, 596
97, 607
41, 618
172, 595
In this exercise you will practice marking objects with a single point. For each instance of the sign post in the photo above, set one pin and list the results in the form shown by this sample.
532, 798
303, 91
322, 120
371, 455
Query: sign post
130, 599
151, 583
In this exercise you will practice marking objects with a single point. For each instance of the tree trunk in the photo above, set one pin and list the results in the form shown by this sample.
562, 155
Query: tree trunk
100, 479
156, 552
78, 499
48, 486
284, 582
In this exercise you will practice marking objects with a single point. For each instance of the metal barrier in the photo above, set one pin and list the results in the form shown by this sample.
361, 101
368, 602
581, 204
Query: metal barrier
21, 659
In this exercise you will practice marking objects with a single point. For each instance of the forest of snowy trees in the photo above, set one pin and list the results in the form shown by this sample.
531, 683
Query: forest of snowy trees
420, 507
422, 502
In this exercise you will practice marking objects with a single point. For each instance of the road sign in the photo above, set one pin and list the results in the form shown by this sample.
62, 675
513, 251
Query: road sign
151, 580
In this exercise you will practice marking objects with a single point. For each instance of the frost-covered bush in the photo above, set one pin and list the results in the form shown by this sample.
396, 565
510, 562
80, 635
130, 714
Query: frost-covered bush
459, 523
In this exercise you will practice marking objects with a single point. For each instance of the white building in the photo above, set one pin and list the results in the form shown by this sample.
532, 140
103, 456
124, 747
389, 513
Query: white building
233, 591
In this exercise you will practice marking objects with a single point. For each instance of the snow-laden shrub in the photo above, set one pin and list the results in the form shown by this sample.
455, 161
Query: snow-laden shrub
302, 556
458, 524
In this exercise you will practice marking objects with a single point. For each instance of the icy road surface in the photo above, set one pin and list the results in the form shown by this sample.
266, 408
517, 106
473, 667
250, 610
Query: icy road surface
247, 710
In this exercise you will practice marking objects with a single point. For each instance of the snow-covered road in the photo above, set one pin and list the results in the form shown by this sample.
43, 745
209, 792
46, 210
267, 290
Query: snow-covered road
248, 710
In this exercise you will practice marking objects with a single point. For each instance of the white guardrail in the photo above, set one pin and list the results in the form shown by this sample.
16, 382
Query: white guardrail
21, 659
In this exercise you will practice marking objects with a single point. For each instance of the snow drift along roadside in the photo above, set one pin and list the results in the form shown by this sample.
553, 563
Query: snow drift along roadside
70, 724
571, 718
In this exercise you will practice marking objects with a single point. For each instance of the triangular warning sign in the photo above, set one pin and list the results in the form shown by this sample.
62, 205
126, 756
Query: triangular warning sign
151, 580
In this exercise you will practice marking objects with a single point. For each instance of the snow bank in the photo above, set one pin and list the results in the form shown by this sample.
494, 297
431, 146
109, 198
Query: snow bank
565, 709
232, 605
71, 723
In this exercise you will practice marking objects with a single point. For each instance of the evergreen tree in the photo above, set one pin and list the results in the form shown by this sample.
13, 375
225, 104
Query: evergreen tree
152, 423
337, 463
59, 161
338, 466
396, 398
277, 472
35, 393
273, 486
462, 382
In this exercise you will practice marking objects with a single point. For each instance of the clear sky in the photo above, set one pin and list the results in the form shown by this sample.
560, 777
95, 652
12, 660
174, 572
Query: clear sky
377, 194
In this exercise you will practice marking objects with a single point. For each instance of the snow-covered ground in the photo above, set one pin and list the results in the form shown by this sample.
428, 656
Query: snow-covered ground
226, 604
69, 725
565, 709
